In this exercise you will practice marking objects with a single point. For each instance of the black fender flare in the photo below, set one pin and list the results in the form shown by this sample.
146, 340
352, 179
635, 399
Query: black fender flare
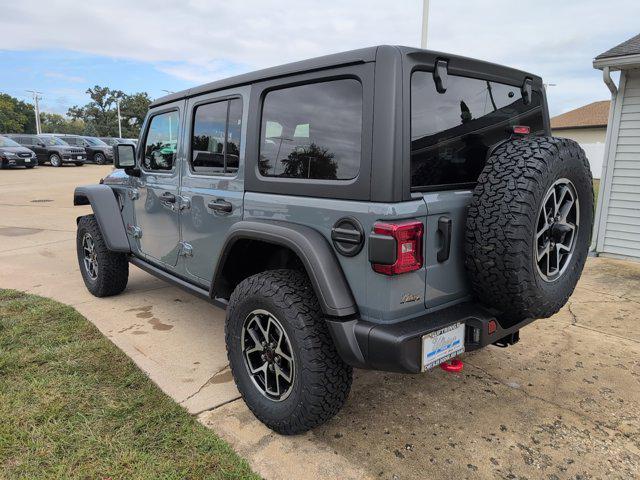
107, 211
313, 249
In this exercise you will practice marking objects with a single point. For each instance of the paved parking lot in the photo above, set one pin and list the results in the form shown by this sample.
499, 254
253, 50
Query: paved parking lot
563, 403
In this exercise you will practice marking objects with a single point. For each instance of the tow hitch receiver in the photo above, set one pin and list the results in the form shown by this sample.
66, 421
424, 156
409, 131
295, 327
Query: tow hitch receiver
510, 339
454, 365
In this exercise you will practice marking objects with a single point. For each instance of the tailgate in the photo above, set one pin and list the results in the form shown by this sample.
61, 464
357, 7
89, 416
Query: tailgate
446, 278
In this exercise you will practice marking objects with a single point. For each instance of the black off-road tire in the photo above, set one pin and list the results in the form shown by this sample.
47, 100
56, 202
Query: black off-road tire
113, 267
503, 219
321, 379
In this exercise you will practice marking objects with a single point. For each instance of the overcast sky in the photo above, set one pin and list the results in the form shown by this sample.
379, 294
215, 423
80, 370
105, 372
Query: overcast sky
61, 48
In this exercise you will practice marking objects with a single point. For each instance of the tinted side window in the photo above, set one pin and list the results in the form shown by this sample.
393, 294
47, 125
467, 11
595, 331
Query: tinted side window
161, 143
215, 145
452, 132
312, 131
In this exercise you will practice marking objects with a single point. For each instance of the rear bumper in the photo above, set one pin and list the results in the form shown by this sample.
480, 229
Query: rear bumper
398, 347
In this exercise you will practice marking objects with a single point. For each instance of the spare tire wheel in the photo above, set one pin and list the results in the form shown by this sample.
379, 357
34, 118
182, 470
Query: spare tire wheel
529, 226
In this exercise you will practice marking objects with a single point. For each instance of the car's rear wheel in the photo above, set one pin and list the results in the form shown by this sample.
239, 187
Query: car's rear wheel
104, 272
281, 354
55, 160
529, 226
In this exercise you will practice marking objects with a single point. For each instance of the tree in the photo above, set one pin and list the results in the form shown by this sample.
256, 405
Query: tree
100, 114
56, 123
133, 109
16, 116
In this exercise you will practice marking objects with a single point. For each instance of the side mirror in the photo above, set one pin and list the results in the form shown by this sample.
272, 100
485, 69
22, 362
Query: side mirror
124, 156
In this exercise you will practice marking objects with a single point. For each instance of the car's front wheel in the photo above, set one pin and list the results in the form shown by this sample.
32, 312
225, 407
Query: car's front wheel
281, 354
100, 159
104, 272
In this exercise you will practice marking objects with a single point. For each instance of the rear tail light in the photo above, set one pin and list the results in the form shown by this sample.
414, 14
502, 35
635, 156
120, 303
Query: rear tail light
408, 246
521, 130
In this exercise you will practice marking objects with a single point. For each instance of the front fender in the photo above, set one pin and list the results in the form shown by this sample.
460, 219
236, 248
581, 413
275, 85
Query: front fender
107, 211
317, 256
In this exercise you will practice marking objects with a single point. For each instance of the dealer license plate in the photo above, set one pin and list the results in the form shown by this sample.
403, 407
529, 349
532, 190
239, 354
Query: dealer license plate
27, 160
79, 157
442, 345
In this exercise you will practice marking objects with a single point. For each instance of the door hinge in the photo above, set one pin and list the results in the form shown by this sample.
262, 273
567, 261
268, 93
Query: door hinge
134, 194
134, 231
186, 250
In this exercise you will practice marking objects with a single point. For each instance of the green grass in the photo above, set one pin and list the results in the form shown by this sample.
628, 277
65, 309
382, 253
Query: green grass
74, 406
596, 189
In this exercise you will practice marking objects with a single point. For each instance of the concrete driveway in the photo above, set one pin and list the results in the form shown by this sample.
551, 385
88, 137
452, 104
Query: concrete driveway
563, 403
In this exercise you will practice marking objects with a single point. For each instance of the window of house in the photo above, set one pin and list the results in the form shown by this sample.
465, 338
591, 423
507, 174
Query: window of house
312, 131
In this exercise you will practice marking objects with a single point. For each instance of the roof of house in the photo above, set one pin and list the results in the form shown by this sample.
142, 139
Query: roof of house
595, 114
629, 47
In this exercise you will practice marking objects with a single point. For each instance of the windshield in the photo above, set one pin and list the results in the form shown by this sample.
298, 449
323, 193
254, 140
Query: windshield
7, 142
94, 141
52, 141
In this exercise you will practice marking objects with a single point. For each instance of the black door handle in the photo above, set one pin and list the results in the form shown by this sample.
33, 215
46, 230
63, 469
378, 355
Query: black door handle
444, 227
168, 197
220, 205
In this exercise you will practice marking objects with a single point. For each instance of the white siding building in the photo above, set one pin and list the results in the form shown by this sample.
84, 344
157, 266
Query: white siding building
617, 222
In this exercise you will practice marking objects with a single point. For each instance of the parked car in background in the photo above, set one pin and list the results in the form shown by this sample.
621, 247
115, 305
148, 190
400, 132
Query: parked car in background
50, 149
113, 141
12, 154
97, 151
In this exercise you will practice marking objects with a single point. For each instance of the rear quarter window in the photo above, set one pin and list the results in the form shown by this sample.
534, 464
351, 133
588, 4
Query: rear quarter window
312, 131
452, 132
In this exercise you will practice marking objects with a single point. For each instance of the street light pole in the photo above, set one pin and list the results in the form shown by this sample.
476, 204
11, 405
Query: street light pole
119, 118
36, 97
425, 23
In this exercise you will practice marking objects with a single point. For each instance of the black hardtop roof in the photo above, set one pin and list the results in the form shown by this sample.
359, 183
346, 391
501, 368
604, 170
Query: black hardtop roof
351, 57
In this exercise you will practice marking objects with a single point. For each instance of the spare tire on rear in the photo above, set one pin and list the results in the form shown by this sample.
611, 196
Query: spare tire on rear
529, 226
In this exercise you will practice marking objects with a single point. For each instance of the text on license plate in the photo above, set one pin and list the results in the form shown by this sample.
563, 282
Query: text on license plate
441, 345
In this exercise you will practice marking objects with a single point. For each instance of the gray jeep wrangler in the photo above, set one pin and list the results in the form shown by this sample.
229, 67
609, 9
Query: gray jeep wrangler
386, 208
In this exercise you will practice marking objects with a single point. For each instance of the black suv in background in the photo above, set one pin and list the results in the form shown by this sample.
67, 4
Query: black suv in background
12, 154
50, 149
97, 151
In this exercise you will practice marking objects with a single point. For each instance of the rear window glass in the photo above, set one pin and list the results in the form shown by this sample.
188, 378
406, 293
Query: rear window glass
312, 131
451, 133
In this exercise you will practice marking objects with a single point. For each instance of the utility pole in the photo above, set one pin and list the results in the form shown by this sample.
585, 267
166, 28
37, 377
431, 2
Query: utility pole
425, 23
119, 118
36, 97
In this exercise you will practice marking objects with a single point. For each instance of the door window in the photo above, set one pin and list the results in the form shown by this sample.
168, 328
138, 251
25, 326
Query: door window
312, 131
161, 142
215, 142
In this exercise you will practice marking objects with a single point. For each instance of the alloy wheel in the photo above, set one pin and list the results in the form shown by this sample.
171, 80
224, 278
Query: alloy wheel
90, 256
557, 230
267, 354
